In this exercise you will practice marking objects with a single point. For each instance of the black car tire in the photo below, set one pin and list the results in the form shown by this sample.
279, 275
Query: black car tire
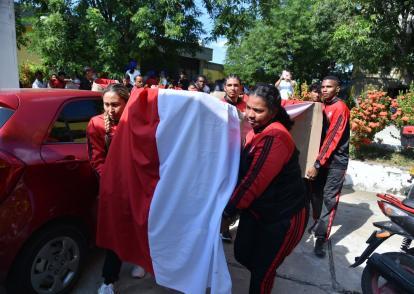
56, 251
370, 275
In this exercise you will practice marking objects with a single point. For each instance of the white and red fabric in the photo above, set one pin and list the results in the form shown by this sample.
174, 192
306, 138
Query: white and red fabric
170, 170
295, 108
99, 85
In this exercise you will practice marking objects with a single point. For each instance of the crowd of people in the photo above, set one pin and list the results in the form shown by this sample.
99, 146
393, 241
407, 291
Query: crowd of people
131, 79
271, 200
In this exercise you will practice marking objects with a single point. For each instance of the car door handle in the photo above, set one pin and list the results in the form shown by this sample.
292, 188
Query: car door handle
68, 158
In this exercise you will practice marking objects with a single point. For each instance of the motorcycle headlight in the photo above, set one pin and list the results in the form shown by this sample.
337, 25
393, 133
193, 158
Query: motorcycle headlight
391, 210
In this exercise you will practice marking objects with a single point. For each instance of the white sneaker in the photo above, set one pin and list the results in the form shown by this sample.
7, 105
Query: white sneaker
106, 289
137, 272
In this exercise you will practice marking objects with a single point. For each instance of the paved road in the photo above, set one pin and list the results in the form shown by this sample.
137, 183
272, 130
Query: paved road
301, 272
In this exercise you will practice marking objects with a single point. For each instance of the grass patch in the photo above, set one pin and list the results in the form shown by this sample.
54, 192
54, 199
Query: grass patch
376, 154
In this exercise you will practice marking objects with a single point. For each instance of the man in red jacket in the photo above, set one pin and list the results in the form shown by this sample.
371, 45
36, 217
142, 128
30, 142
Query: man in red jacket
328, 172
233, 95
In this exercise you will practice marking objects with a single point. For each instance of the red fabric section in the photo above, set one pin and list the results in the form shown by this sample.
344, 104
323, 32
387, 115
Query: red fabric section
292, 238
272, 149
105, 82
291, 102
128, 181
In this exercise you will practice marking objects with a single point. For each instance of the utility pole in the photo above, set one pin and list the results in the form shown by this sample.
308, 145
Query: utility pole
9, 74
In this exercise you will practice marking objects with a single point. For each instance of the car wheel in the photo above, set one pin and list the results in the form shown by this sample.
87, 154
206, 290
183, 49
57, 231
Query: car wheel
49, 263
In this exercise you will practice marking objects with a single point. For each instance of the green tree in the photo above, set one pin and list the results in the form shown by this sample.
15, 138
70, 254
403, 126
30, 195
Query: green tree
377, 36
21, 39
107, 33
320, 36
232, 18
292, 36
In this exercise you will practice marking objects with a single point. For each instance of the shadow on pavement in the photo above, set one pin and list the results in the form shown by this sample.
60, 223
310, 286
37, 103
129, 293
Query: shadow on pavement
347, 191
350, 217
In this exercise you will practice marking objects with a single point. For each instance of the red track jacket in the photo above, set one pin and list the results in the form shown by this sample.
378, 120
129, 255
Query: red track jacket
334, 151
240, 104
270, 184
97, 148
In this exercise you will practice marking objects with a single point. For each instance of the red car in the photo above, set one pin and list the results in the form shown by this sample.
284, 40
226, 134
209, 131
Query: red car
47, 188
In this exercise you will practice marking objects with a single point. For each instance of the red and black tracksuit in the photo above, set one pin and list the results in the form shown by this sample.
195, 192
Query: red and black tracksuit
270, 198
98, 142
98, 145
240, 104
332, 163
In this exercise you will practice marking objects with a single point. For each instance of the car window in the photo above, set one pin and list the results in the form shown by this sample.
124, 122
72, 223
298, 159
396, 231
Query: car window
73, 119
5, 114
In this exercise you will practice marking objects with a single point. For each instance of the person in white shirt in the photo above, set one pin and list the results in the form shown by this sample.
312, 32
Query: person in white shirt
133, 71
285, 85
38, 82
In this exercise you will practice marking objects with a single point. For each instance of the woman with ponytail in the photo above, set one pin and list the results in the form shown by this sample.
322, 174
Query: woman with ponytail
270, 194
100, 130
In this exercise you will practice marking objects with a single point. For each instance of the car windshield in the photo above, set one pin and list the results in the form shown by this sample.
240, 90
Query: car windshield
5, 114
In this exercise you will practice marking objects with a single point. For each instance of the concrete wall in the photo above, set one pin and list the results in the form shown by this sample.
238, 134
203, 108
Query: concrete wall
9, 75
362, 176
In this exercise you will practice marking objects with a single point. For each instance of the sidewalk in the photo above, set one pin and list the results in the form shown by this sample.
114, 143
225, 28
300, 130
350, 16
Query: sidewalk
301, 272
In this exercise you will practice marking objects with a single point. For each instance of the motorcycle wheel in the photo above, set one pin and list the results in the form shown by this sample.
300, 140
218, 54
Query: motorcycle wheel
373, 283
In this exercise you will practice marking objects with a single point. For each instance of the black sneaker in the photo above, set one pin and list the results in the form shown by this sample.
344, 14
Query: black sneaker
319, 249
226, 236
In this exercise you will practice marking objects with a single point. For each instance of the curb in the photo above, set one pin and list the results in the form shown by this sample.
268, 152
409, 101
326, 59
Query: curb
369, 177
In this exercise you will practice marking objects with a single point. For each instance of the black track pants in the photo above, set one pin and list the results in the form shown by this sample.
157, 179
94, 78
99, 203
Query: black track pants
261, 248
111, 268
326, 190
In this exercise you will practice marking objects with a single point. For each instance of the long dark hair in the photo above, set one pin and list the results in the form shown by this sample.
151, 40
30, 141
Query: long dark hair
270, 94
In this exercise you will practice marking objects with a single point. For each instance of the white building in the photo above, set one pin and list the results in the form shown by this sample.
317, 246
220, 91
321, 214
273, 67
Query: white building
9, 75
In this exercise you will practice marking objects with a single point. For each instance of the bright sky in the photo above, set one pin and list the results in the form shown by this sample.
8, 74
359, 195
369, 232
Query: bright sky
219, 47
219, 50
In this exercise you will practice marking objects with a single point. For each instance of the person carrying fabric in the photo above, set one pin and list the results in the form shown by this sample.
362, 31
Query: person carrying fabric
201, 84
127, 83
315, 92
233, 90
100, 130
86, 81
270, 195
328, 172
192, 87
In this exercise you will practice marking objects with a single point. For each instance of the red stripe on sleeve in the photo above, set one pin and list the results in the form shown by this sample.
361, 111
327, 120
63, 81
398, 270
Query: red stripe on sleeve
270, 155
337, 127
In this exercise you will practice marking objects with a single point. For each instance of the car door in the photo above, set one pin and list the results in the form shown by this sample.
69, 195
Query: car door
70, 178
